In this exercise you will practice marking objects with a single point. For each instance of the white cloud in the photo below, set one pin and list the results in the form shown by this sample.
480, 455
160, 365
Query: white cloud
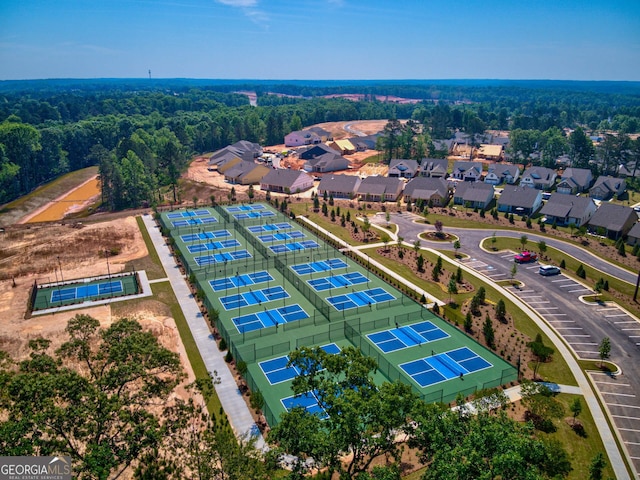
249, 8
239, 3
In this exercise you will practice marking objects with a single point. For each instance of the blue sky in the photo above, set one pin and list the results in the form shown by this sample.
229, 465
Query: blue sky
321, 39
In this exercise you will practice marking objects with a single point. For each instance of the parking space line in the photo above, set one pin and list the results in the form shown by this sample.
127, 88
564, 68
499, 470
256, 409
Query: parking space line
507, 256
585, 343
622, 405
631, 395
629, 329
613, 383
497, 275
568, 285
547, 308
586, 352
617, 315
558, 315
629, 430
632, 443
580, 290
572, 335
562, 321
569, 328
530, 296
527, 291
538, 301
562, 280
626, 321
634, 336
625, 417
606, 309
532, 268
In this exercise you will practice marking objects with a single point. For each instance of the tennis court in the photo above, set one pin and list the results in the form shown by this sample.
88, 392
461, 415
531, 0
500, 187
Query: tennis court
272, 237
308, 401
188, 214
269, 227
193, 222
276, 369
245, 208
240, 280
245, 216
218, 245
360, 299
85, 291
269, 318
205, 236
407, 336
444, 366
254, 297
335, 281
321, 266
221, 257
294, 246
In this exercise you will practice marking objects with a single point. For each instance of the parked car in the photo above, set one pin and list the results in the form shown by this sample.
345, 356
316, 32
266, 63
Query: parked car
548, 270
525, 257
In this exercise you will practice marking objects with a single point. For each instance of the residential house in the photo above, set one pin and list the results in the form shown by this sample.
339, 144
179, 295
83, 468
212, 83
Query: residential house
606, 187
467, 171
473, 195
286, 181
345, 147
493, 153
380, 189
401, 168
321, 132
633, 237
575, 180
519, 200
499, 173
243, 149
313, 151
541, 178
299, 138
613, 221
434, 167
243, 172
339, 186
444, 146
329, 162
367, 142
433, 190
564, 210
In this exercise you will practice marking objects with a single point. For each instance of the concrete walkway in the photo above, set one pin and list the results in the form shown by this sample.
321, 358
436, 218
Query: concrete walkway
230, 397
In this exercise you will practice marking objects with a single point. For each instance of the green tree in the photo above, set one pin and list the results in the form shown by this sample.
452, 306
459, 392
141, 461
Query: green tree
604, 350
452, 288
361, 417
385, 239
456, 246
576, 408
501, 311
458, 276
113, 379
581, 149
468, 322
523, 241
488, 332
542, 247
541, 352
596, 467
420, 263
542, 407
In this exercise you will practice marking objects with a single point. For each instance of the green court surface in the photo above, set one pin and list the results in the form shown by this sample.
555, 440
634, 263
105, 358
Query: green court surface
78, 291
329, 301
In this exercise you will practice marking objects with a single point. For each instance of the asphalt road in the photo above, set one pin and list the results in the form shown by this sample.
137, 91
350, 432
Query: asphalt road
557, 299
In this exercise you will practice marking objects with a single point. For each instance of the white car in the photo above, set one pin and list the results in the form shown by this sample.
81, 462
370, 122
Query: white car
548, 270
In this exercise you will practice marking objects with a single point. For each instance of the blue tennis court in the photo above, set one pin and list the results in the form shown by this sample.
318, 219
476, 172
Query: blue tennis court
244, 216
276, 369
294, 246
269, 318
444, 366
269, 227
254, 297
321, 266
360, 299
194, 237
407, 336
240, 280
222, 257
308, 401
192, 222
188, 214
94, 290
272, 237
218, 245
335, 281
245, 208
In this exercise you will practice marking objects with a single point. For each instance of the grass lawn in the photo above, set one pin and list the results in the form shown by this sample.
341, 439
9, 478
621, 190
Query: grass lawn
151, 263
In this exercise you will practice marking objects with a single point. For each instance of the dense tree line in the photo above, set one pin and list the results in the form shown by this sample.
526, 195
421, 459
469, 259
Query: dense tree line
48, 128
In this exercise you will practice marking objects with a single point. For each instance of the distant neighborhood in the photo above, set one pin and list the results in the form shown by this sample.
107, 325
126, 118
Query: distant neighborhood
474, 175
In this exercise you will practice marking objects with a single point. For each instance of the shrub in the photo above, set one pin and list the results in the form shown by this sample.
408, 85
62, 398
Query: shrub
257, 400
228, 357
242, 367
222, 345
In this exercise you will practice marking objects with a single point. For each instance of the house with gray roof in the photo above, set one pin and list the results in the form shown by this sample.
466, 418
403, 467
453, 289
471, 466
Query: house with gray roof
633, 237
432, 190
606, 187
286, 181
380, 189
467, 171
613, 221
575, 180
541, 178
339, 186
243, 149
329, 162
321, 132
473, 194
313, 151
499, 173
519, 200
434, 167
401, 168
245, 173
299, 138
562, 209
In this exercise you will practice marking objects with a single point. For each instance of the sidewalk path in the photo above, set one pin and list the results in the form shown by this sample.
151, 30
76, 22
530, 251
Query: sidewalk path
230, 397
